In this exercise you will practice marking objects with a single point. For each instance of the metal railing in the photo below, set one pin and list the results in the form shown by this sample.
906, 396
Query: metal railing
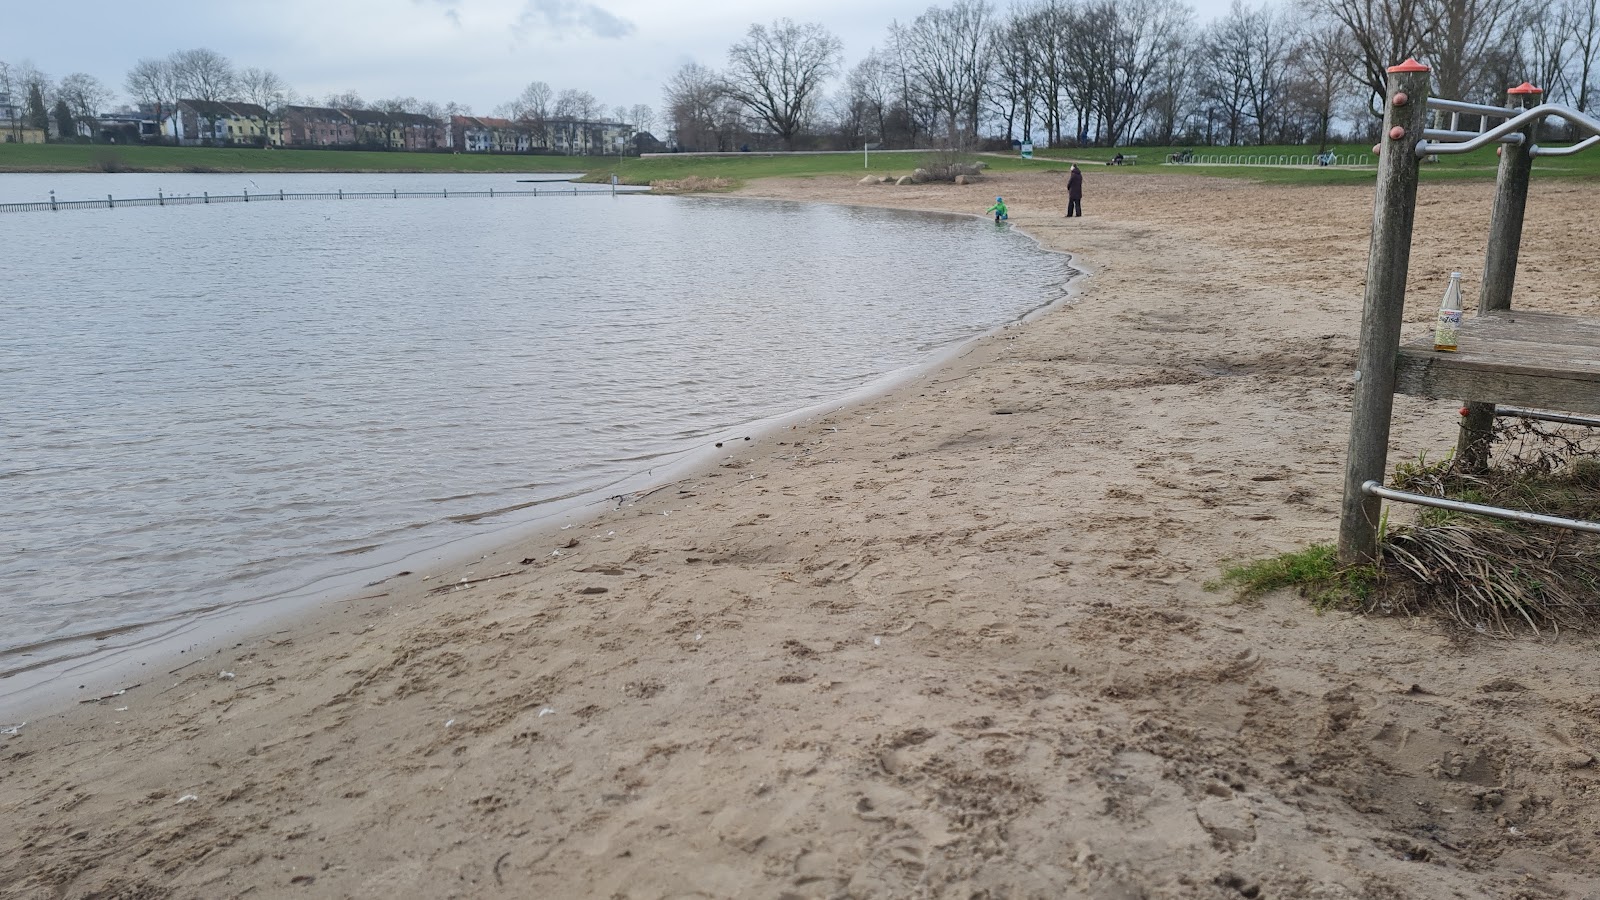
1512, 122
1277, 159
162, 199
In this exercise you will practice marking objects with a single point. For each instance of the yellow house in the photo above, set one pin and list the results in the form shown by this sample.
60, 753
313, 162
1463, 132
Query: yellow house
14, 132
242, 124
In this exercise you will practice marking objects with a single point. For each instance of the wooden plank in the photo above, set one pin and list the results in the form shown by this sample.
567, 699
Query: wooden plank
1515, 344
1431, 375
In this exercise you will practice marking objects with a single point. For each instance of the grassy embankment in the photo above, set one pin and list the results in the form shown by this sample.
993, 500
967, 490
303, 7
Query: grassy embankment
732, 170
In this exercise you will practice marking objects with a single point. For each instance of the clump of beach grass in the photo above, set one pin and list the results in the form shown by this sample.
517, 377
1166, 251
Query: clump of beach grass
694, 184
1314, 573
1491, 576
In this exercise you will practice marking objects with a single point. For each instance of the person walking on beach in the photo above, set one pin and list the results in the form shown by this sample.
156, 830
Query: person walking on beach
1075, 193
999, 210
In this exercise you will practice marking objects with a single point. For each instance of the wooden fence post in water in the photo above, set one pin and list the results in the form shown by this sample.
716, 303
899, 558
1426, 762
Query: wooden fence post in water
1500, 267
110, 203
1389, 257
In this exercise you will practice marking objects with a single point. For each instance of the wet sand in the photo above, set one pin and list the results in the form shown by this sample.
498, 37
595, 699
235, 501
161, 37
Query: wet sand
954, 641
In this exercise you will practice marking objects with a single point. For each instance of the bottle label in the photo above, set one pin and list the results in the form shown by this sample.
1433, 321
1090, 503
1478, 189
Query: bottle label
1444, 335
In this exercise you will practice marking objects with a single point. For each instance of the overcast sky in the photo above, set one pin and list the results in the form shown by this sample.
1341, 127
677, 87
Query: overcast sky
476, 52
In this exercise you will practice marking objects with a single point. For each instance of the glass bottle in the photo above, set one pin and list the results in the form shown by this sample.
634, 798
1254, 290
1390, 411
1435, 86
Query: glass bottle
1446, 333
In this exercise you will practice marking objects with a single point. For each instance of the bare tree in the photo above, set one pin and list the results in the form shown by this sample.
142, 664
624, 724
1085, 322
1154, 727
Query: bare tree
397, 105
152, 83
778, 74
697, 108
943, 52
1124, 43
345, 100
1545, 50
1174, 93
1319, 81
1018, 71
1585, 18
1384, 32
203, 74
643, 116
84, 95
1459, 37
262, 87
1225, 80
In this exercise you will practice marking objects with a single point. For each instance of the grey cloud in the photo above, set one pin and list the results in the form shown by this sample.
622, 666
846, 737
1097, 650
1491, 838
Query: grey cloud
566, 16
449, 7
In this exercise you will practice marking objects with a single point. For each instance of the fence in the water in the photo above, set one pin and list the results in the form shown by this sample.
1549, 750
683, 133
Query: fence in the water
162, 199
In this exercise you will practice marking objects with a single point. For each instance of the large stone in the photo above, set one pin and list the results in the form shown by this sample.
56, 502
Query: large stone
961, 179
886, 179
904, 179
921, 176
870, 179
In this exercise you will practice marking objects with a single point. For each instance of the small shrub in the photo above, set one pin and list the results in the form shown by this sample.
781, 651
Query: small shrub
109, 161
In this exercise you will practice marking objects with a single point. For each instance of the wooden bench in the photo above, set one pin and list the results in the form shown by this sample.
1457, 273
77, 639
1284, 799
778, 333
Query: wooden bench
1510, 357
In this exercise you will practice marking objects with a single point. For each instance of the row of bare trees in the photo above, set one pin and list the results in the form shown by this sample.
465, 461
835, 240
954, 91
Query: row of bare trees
570, 117
1120, 71
77, 96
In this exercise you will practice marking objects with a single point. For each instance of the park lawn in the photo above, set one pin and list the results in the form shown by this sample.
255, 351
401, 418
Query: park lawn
747, 166
735, 169
107, 158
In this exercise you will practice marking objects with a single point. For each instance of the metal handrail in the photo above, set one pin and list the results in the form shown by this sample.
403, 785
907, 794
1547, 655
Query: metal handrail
1539, 415
1515, 123
1374, 489
1445, 134
1579, 147
1462, 106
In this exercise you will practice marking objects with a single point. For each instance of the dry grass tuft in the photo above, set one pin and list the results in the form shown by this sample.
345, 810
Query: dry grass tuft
1492, 579
1492, 575
694, 184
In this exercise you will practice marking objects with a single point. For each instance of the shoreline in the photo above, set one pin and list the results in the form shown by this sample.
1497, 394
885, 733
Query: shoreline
954, 638
49, 687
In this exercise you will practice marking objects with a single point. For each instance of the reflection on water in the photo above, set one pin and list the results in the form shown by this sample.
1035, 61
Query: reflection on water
206, 404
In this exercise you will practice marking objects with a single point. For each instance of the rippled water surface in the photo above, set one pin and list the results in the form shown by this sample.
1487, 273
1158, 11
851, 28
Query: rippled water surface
206, 404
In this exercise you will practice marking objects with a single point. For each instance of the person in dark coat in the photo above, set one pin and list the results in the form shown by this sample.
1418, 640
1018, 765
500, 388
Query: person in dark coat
1075, 193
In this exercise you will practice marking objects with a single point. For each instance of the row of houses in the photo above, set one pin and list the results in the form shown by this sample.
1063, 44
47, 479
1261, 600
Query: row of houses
201, 122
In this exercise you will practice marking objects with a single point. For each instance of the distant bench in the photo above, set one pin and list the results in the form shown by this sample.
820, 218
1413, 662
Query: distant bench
1130, 159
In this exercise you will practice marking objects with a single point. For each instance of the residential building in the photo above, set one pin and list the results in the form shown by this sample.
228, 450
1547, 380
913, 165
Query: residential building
414, 131
196, 122
317, 126
586, 137
14, 128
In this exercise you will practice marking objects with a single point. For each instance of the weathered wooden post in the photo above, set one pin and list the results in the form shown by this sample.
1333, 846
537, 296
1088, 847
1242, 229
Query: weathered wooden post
1500, 267
1388, 259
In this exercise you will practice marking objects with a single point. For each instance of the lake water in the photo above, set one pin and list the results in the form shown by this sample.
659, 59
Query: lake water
205, 406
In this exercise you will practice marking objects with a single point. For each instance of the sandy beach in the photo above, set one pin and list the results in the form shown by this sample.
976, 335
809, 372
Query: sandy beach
954, 641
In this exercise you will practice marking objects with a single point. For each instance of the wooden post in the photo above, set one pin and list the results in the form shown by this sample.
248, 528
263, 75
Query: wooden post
1388, 259
1500, 268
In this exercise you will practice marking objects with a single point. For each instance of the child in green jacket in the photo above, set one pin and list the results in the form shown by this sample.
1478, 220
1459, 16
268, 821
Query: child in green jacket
999, 210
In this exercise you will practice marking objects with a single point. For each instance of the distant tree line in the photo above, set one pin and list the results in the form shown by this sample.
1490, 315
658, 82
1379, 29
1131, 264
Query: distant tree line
1118, 72
156, 84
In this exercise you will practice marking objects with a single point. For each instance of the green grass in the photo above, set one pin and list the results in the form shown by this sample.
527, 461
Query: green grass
93, 158
1314, 571
746, 167
738, 169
